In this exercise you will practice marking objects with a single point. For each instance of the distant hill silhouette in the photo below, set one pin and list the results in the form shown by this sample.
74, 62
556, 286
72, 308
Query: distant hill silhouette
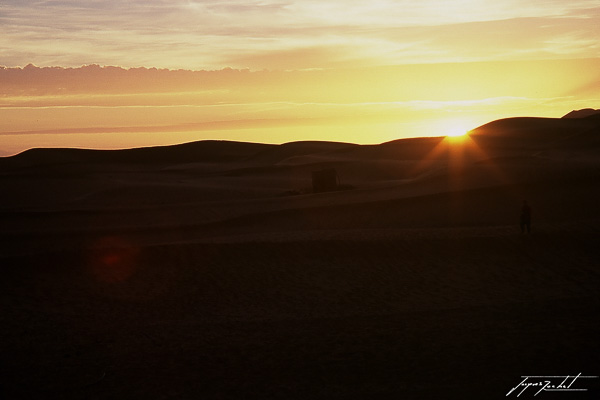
577, 130
538, 130
202, 151
277, 154
586, 112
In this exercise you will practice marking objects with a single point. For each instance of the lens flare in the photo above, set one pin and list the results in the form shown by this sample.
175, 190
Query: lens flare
113, 259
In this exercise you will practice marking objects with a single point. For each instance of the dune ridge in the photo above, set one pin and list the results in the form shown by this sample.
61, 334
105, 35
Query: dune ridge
212, 182
212, 270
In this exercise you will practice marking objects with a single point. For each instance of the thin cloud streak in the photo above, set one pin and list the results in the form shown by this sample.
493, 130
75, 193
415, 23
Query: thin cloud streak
189, 127
211, 34
278, 115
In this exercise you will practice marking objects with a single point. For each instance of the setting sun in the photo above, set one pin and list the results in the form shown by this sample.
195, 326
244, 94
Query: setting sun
265, 72
456, 131
454, 128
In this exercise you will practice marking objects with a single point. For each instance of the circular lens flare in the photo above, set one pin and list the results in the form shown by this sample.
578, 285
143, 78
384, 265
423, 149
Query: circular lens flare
113, 259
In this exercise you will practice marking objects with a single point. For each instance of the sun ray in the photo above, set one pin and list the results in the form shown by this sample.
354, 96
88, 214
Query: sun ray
434, 155
460, 155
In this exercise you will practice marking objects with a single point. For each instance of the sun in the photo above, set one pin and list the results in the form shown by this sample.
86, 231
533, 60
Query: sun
455, 131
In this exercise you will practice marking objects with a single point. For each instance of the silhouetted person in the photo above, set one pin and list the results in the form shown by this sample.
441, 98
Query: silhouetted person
525, 217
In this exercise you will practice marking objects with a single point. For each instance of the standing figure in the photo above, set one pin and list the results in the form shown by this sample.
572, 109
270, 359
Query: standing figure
525, 217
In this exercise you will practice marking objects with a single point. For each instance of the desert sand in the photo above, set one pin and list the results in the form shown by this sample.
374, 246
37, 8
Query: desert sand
211, 270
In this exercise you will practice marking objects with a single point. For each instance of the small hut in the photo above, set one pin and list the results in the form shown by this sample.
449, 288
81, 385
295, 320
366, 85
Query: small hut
325, 180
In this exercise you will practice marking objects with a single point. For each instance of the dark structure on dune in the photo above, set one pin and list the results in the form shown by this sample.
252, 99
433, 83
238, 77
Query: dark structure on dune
325, 180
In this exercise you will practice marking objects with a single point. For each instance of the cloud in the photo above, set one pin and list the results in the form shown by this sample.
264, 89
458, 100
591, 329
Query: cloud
452, 81
299, 58
260, 34
511, 39
165, 129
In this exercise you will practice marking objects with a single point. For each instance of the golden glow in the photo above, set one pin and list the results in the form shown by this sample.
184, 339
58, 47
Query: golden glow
456, 128
119, 108
456, 131
282, 71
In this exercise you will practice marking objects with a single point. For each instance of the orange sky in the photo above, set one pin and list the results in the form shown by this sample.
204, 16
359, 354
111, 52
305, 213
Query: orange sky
278, 71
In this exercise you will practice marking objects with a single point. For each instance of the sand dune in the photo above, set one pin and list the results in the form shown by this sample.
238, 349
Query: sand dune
211, 269
586, 112
207, 182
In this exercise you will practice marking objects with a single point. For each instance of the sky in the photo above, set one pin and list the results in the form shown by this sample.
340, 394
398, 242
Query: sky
114, 74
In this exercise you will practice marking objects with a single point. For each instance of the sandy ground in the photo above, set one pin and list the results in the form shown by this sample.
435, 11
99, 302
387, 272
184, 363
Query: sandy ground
211, 271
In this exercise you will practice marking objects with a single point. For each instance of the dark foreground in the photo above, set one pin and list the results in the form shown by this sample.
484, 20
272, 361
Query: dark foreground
449, 316
211, 270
